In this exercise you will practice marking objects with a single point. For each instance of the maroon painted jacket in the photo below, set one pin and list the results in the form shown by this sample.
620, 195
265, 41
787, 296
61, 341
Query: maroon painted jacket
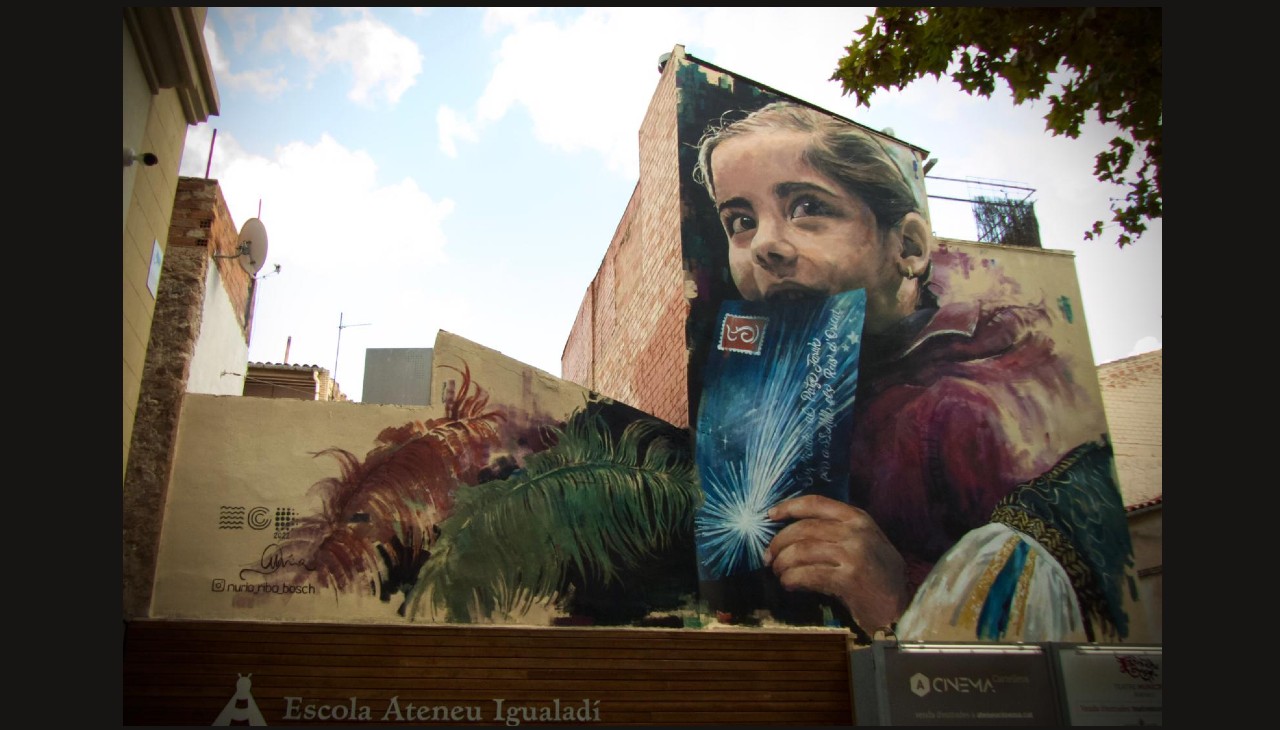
955, 407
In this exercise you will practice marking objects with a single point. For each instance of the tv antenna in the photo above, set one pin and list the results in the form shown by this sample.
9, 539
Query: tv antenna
341, 327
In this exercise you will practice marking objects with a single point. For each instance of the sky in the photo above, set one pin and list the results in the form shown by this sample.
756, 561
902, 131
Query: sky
464, 169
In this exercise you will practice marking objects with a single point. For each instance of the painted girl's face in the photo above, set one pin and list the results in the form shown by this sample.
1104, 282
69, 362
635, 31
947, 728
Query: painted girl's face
792, 231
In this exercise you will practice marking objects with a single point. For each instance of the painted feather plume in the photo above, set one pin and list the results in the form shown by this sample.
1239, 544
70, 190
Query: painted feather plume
587, 505
379, 515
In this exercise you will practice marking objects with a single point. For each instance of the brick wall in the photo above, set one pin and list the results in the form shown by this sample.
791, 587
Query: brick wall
577, 363
201, 218
628, 340
1133, 396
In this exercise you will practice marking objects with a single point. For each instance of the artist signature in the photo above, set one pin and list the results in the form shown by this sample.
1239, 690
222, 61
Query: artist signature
273, 560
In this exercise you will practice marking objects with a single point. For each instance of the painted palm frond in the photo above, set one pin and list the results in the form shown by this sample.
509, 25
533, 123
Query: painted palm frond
378, 515
587, 505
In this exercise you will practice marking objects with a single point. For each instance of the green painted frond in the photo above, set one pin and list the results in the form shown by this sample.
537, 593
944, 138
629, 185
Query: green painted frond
587, 504
378, 514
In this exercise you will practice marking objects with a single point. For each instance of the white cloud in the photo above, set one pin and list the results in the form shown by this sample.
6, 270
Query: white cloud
294, 33
747, 41
496, 19
382, 62
243, 23
585, 84
453, 127
345, 242
263, 82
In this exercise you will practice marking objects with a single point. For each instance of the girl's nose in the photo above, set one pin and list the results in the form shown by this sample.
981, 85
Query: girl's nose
771, 249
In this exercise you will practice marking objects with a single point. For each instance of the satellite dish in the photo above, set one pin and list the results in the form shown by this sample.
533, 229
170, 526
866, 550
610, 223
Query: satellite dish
252, 246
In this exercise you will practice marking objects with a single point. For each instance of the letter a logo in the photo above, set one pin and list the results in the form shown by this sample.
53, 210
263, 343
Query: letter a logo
920, 685
241, 708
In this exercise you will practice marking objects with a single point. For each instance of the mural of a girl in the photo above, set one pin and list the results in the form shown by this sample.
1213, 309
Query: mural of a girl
976, 509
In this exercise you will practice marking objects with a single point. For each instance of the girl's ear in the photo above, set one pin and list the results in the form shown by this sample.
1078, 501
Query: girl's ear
915, 245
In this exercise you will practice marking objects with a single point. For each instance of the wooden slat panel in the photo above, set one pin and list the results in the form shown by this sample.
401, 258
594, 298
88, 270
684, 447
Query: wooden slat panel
185, 672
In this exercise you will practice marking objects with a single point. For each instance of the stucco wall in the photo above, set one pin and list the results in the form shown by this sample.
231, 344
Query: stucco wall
244, 469
218, 365
137, 104
147, 221
167, 85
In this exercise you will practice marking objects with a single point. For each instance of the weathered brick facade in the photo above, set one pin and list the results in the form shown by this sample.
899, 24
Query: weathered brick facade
201, 218
200, 222
634, 311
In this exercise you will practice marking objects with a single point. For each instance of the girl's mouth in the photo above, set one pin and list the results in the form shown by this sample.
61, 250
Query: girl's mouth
792, 293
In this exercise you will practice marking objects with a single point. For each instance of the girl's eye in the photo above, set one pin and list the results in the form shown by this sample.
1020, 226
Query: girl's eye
808, 207
736, 224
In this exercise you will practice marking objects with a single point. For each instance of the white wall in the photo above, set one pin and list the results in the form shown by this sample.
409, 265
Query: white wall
221, 346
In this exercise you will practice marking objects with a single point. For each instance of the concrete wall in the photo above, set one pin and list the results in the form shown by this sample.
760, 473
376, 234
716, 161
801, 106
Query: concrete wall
252, 478
397, 376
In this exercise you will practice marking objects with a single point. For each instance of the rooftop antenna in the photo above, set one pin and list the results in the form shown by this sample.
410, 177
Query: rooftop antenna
209, 164
341, 327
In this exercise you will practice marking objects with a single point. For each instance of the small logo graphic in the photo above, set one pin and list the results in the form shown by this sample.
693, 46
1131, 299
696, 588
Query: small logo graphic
286, 518
742, 333
230, 518
259, 518
241, 708
919, 685
1138, 667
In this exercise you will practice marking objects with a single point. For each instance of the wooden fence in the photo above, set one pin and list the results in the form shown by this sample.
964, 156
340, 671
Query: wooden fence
204, 672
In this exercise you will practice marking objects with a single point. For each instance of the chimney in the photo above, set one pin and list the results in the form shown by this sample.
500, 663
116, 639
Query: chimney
287, 343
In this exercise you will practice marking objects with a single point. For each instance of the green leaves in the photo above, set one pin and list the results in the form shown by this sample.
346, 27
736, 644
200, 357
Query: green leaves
1111, 60
586, 506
